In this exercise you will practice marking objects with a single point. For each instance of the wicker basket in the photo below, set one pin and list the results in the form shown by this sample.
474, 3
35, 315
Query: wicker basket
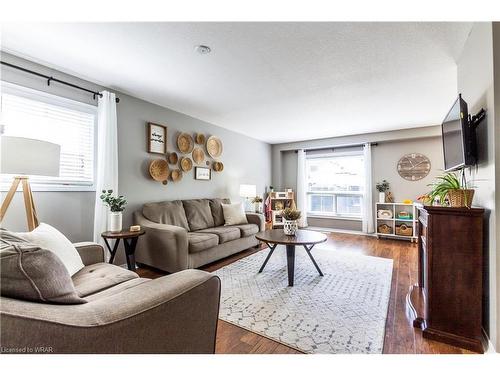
461, 197
384, 229
404, 230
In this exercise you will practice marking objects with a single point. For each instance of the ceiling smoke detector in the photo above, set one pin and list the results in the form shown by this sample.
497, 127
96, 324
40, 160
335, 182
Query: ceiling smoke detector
203, 50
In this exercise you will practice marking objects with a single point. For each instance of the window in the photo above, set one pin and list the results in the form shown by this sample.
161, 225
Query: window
335, 184
34, 114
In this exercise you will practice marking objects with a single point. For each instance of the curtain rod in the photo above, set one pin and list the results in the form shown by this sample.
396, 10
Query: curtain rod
334, 147
52, 79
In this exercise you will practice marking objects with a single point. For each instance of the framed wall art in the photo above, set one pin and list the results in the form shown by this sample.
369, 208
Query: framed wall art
157, 139
202, 173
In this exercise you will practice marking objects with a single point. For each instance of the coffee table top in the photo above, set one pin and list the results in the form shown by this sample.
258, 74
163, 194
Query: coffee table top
302, 237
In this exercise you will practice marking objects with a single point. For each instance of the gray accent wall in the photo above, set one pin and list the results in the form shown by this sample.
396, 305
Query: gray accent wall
478, 81
246, 160
391, 146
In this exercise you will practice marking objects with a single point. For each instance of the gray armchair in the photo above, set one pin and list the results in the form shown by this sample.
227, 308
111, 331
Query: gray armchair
124, 313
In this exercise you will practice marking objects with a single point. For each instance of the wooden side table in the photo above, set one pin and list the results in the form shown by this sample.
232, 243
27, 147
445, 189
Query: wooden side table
129, 241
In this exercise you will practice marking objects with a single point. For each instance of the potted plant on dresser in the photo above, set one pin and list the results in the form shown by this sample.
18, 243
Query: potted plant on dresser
290, 221
450, 187
116, 206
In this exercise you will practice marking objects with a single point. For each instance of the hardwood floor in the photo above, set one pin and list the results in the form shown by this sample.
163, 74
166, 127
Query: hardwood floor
400, 336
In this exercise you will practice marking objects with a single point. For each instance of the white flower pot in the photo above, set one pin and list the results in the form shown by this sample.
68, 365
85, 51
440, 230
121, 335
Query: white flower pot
290, 227
115, 221
381, 197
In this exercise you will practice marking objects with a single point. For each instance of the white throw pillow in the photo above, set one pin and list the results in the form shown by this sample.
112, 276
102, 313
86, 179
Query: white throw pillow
51, 239
234, 214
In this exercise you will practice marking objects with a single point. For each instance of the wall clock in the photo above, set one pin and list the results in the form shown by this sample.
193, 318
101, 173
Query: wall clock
414, 167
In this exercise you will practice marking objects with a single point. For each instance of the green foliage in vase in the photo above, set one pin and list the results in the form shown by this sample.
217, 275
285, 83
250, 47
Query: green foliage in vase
445, 183
382, 187
291, 214
257, 199
115, 203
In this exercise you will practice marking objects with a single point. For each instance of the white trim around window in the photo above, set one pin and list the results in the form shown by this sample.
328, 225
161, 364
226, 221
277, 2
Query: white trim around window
61, 109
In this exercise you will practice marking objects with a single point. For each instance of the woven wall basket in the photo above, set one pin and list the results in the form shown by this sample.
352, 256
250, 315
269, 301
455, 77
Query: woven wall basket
461, 198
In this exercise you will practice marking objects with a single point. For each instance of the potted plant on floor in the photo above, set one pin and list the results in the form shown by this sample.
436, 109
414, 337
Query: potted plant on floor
382, 187
290, 221
116, 206
451, 187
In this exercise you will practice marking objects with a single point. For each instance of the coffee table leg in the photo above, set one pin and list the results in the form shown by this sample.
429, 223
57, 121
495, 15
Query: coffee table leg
271, 247
308, 251
290, 260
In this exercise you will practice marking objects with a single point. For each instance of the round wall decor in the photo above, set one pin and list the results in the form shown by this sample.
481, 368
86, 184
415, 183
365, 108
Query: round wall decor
185, 143
198, 155
158, 169
186, 164
214, 147
414, 166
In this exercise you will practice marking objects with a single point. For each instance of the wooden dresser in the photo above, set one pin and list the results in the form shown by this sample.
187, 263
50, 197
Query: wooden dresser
447, 301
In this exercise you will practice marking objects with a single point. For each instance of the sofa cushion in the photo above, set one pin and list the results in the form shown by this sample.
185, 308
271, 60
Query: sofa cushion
198, 214
247, 229
234, 214
100, 276
201, 241
171, 213
216, 208
225, 234
31, 273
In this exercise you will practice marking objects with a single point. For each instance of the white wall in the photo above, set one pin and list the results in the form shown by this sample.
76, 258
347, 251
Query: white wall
245, 159
476, 83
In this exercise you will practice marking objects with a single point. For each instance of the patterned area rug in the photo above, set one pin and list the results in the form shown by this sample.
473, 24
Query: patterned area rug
342, 312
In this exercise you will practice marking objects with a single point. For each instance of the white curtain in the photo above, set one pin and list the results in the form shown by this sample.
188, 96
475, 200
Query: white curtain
107, 158
368, 226
301, 187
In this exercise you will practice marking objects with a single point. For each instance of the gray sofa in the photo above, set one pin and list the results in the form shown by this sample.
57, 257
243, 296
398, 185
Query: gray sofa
186, 234
123, 314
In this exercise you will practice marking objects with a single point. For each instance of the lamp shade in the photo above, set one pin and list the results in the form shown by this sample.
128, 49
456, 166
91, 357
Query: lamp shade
248, 191
32, 157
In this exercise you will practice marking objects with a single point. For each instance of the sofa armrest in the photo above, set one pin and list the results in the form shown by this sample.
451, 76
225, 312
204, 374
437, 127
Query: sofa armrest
172, 314
90, 252
163, 246
259, 219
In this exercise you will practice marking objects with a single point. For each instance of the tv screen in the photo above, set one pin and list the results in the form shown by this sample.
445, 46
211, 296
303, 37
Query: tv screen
458, 137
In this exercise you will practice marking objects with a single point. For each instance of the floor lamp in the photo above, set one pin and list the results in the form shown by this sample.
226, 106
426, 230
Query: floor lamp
25, 157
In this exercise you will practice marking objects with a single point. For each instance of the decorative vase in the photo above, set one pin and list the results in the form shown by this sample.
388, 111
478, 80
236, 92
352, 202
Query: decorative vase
381, 197
290, 227
115, 222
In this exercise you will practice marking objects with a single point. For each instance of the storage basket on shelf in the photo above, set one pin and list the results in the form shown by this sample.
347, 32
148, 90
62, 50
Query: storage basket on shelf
461, 197
385, 229
404, 230
384, 214
404, 215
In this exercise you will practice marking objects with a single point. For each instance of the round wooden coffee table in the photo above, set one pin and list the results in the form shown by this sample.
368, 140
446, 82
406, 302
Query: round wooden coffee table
306, 238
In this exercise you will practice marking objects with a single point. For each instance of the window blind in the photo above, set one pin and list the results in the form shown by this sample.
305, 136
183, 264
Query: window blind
32, 114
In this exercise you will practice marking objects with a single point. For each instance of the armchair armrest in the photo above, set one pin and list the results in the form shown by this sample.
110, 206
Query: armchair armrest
259, 219
163, 246
90, 252
172, 314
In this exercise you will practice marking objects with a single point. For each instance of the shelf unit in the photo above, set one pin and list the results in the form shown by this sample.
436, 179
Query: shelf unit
280, 198
393, 221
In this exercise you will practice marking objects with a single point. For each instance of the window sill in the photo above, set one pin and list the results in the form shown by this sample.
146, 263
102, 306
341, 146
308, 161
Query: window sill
48, 188
350, 218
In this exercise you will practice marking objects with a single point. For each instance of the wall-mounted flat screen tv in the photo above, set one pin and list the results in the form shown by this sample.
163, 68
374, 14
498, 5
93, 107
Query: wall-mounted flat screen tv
459, 138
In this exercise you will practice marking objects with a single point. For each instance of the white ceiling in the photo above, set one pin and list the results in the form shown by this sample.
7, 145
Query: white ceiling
277, 82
